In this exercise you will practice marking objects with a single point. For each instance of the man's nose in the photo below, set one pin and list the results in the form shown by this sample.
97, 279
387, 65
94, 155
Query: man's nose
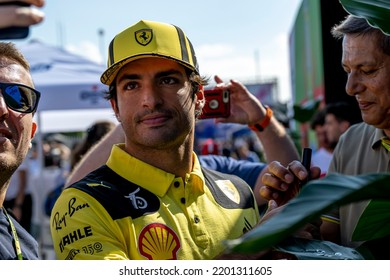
353, 85
3, 108
151, 96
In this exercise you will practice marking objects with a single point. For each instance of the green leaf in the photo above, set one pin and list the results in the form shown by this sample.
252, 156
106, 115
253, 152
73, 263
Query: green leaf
303, 113
376, 12
370, 225
316, 197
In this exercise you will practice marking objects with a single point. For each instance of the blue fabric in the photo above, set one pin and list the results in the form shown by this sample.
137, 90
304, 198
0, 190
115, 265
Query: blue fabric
28, 244
248, 171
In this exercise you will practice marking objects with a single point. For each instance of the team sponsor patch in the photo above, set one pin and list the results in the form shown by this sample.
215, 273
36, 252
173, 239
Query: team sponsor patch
74, 236
158, 242
227, 187
98, 185
91, 249
144, 36
138, 202
59, 220
72, 254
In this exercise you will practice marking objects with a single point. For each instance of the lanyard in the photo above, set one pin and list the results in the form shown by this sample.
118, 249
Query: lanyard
386, 143
18, 250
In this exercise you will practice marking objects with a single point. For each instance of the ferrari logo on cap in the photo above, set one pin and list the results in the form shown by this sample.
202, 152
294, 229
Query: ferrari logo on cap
144, 36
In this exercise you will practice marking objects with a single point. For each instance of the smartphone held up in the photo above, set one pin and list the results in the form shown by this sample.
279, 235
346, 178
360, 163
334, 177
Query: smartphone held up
217, 104
14, 32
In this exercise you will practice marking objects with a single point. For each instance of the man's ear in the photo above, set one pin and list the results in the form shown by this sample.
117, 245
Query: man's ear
345, 125
200, 99
33, 129
115, 108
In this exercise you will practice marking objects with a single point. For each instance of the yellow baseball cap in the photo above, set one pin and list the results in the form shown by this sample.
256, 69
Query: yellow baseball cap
148, 39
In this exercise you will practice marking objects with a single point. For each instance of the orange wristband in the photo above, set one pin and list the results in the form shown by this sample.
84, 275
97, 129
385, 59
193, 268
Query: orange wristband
260, 126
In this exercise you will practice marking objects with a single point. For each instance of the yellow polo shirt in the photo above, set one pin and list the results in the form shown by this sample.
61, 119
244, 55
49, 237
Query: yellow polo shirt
128, 209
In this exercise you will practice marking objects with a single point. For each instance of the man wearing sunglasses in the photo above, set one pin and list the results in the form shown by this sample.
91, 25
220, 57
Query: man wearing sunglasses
18, 102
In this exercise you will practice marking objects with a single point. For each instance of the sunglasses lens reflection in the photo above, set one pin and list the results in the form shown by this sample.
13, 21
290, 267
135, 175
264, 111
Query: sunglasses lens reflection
19, 98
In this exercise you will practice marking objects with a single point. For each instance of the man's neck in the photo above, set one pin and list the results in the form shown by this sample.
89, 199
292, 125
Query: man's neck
387, 132
2, 197
175, 161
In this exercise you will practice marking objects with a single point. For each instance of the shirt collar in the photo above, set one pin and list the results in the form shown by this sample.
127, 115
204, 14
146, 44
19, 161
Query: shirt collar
149, 177
378, 135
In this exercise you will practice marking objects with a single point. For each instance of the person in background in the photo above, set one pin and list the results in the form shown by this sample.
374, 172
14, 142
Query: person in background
329, 124
322, 155
364, 147
19, 100
93, 135
13, 15
339, 116
243, 152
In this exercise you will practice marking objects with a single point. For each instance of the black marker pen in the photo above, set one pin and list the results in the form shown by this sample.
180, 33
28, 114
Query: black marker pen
306, 162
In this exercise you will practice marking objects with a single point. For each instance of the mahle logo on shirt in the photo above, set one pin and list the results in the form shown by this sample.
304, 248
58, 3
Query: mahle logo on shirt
227, 187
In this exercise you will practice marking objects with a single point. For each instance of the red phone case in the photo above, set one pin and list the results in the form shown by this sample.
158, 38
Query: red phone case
217, 104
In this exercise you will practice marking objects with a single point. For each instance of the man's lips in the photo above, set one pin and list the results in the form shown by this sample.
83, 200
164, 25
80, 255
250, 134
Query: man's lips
5, 133
364, 105
155, 119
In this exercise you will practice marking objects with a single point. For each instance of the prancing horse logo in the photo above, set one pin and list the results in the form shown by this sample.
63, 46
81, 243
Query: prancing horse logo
144, 36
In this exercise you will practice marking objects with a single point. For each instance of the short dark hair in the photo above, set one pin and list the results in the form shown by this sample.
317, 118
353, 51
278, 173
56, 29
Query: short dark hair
353, 25
9, 50
318, 119
344, 112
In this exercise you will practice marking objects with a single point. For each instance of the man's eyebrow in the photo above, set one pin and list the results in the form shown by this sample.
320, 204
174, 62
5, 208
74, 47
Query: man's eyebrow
129, 77
168, 73
158, 75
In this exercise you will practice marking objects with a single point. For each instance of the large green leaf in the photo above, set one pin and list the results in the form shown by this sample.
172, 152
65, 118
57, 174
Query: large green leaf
376, 12
303, 113
316, 197
371, 223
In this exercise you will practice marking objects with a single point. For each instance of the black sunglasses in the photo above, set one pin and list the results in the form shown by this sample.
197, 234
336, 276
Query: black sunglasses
20, 98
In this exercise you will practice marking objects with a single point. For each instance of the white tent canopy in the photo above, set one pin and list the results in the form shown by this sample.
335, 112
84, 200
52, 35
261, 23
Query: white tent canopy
72, 94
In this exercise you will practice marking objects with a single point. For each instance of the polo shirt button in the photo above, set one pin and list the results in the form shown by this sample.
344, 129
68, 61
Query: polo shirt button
183, 200
196, 219
176, 184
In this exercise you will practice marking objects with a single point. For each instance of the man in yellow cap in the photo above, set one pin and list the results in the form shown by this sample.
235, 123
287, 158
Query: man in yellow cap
152, 200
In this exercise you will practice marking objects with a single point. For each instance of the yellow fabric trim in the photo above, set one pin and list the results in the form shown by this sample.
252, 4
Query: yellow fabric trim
386, 143
330, 220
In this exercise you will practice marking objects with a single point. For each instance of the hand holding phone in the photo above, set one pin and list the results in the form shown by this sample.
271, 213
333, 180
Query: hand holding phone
8, 15
217, 104
294, 188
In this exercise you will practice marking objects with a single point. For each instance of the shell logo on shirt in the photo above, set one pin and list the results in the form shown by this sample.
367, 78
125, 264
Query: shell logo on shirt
158, 242
227, 187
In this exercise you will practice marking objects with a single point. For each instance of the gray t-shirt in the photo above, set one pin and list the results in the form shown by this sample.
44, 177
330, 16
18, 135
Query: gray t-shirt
28, 244
359, 151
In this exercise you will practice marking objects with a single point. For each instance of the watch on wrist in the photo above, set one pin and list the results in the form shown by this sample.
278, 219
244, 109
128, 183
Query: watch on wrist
261, 125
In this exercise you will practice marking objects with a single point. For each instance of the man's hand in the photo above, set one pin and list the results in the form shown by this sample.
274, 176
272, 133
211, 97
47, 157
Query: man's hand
245, 108
14, 15
280, 181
